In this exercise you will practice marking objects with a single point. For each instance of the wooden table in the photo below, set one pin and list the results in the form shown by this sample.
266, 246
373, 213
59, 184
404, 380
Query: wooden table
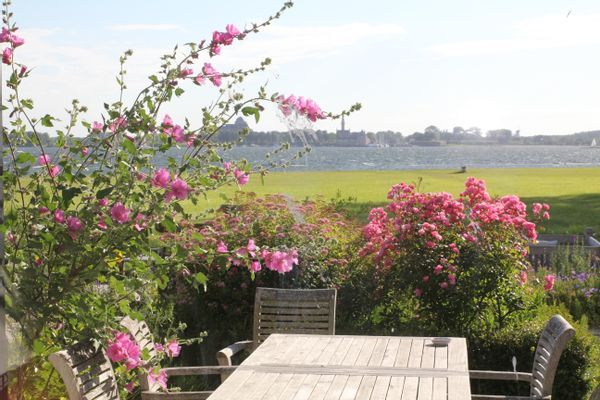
303, 367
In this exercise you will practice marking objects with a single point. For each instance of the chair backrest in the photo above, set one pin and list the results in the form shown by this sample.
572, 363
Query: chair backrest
86, 372
555, 337
143, 337
309, 311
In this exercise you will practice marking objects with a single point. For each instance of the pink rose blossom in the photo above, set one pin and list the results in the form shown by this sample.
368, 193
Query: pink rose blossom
120, 213
418, 292
222, 248
103, 202
74, 225
167, 121
179, 190
43, 159
438, 269
59, 216
85, 151
159, 347
97, 126
241, 177
160, 378
444, 285
5, 35
17, 41
255, 266
43, 210
161, 178
227, 167
123, 349
426, 278
452, 279
186, 72
522, 278
7, 55
102, 224
140, 222
23, 70
549, 279
172, 349
119, 123
54, 171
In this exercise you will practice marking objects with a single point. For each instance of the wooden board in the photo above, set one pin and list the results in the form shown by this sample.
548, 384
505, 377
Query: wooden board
322, 367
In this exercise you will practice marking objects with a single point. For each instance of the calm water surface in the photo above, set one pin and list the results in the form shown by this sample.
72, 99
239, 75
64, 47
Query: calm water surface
398, 158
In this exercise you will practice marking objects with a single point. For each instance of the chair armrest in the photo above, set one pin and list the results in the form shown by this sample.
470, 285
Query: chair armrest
224, 355
204, 370
501, 375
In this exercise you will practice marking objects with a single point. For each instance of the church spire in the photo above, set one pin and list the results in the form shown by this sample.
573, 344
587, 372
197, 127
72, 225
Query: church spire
343, 123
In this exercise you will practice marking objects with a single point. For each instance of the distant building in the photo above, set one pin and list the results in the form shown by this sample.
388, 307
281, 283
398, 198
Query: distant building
231, 132
350, 139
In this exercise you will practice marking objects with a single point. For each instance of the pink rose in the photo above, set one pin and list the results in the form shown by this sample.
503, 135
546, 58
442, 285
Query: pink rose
160, 378
161, 178
438, 269
549, 279
43, 159
185, 72
74, 225
172, 349
120, 213
43, 210
97, 126
222, 248
103, 202
199, 79
7, 55
179, 190
444, 285
241, 177
59, 216
418, 292
255, 266
54, 171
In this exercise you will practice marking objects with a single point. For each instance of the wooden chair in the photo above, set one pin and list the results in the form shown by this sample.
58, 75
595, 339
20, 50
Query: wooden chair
142, 335
310, 311
557, 333
88, 374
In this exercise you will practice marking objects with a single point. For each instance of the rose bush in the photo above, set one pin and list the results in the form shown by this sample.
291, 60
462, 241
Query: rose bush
321, 242
449, 264
81, 219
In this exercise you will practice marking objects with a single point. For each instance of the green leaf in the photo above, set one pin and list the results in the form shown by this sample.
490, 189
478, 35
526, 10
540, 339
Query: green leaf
246, 111
27, 103
47, 121
201, 279
68, 195
23, 158
153, 78
104, 192
38, 347
129, 146
169, 225
179, 92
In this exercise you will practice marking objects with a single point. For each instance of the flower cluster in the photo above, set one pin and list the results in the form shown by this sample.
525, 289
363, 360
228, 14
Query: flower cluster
302, 106
442, 247
7, 36
251, 255
123, 349
240, 176
176, 188
224, 38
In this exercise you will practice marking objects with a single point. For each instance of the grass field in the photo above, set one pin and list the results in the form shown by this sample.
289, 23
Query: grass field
573, 194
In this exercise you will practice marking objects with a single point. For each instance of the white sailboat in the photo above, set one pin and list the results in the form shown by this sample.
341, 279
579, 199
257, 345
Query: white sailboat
593, 144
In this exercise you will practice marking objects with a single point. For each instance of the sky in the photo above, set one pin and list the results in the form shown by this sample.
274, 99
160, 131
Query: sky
532, 66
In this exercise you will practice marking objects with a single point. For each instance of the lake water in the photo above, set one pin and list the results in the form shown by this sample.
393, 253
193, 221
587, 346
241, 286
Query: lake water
447, 157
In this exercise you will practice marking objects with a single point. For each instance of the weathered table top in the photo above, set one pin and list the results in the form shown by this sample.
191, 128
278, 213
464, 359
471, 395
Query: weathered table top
303, 367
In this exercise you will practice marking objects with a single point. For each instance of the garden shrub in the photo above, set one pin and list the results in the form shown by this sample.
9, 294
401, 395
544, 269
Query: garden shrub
322, 239
446, 265
578, 370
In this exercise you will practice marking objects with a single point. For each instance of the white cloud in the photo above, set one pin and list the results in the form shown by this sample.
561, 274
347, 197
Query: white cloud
546, 32
288, 44
144, 27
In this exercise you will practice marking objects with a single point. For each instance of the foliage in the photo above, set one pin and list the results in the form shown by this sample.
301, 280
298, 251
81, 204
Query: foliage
458, 257
578, 370
323, 239
82, 220
579, 292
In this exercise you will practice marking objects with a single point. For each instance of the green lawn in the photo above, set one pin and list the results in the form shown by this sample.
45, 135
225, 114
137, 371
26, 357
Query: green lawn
574, 194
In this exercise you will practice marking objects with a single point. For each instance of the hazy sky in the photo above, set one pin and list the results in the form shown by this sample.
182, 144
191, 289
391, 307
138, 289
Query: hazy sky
527, 65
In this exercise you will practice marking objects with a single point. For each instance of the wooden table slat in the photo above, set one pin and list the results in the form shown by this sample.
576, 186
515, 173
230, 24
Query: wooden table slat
322, 367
